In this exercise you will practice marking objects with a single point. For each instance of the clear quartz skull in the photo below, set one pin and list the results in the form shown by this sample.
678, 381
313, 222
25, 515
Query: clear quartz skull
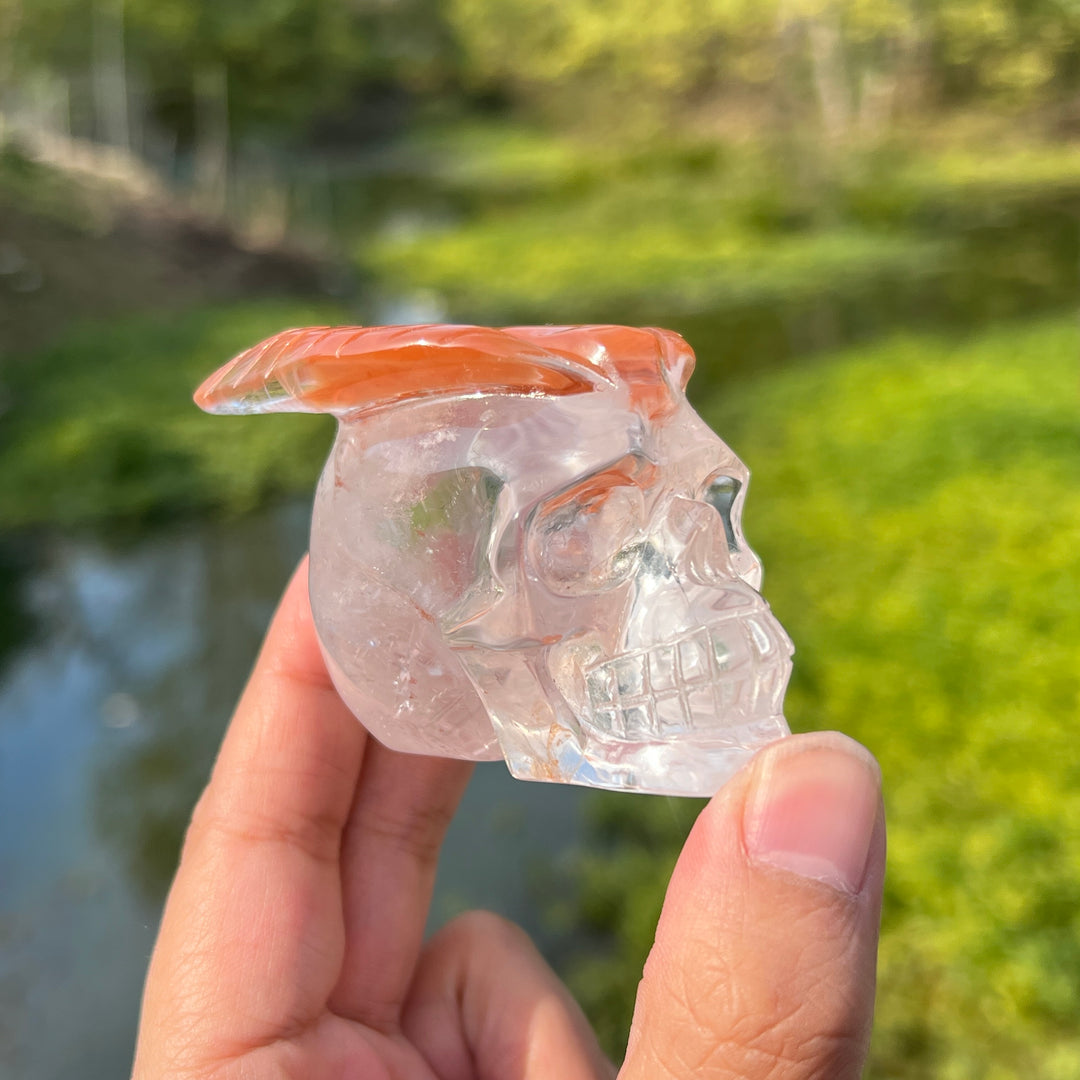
526, 543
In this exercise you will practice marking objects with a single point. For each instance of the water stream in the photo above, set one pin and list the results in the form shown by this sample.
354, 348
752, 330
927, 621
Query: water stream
110, 715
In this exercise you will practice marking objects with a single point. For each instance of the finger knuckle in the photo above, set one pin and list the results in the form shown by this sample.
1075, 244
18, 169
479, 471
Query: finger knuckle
480, 927
417, 830
316, 836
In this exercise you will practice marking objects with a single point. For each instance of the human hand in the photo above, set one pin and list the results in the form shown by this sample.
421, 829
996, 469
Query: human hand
291, 944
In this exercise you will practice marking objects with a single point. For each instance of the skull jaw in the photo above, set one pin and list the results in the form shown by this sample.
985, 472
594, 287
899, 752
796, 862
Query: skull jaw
684, 741
693, 767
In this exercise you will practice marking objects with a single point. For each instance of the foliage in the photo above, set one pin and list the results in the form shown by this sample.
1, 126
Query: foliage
917, 505
849, 67
279, 59
283, 62
1013, 48
632, 50
848, 62
80, 446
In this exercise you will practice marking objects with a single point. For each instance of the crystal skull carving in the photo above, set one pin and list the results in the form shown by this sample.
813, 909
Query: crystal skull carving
526, 543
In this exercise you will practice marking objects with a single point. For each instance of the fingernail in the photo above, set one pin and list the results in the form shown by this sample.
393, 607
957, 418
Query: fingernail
813, 812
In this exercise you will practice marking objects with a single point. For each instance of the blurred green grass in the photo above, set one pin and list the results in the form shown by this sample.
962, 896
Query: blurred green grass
102, 429
917, 506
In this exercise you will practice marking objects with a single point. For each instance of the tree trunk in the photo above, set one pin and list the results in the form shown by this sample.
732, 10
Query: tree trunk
877, 98
9, 30
212, 138
829, 65
110, 74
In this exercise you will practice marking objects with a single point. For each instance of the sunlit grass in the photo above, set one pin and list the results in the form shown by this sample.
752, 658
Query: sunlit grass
1009, 168
917, 504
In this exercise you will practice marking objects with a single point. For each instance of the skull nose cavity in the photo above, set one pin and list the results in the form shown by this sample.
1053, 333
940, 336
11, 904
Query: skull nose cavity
653, 561
720, 494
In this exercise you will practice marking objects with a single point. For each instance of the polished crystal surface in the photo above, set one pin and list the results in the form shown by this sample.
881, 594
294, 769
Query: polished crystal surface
527, 544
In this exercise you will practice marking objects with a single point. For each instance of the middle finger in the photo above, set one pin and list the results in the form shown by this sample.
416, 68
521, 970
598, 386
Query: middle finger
389, 853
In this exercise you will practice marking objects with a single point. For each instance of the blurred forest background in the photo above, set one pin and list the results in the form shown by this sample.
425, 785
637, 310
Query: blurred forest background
863, 214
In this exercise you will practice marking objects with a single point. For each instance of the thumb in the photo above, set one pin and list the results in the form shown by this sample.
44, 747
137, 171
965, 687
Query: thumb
765, 951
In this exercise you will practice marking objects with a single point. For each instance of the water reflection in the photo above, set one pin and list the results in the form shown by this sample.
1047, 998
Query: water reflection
109, 720
16, 624
196, 613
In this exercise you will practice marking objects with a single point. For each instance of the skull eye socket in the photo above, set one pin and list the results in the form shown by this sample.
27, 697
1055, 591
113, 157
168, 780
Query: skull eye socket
587, 540
720, 492
428, 535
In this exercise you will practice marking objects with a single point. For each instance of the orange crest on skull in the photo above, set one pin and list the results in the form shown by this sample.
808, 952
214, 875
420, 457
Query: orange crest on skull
349, 369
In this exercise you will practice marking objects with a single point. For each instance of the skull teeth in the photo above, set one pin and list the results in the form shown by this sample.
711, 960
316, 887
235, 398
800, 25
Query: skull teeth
712, 678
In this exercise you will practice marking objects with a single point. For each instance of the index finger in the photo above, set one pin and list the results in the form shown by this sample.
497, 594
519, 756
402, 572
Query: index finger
253, 929
290, 760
